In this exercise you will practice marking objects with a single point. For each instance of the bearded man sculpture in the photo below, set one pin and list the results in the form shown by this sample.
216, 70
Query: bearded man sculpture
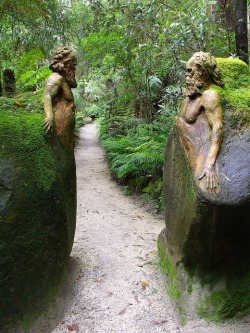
200, 122
58, 99
59, 124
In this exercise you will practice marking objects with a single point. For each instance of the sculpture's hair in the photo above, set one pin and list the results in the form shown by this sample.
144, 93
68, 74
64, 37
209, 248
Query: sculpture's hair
61, 57
209, 64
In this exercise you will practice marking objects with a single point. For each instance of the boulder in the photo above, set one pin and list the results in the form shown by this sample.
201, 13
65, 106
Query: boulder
205, 246
37, 215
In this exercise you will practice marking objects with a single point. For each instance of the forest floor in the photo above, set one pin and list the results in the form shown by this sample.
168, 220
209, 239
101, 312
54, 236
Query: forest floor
115, 284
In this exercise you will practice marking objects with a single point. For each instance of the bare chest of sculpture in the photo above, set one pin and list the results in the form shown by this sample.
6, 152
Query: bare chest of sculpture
192, 108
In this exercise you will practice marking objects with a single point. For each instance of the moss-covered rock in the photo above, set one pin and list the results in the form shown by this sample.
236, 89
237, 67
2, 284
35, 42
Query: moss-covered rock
37, 212
206, 240
235, 95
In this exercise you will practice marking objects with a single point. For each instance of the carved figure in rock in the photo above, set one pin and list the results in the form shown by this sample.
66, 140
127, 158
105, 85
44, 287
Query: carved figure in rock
58, 99
200, 122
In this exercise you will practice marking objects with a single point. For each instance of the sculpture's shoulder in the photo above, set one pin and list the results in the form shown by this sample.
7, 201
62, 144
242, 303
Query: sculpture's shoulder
210, 98
54, 79
210, 93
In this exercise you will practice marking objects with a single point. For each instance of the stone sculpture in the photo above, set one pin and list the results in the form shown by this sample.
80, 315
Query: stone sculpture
59, 108
205, 245
58, 99
201, 110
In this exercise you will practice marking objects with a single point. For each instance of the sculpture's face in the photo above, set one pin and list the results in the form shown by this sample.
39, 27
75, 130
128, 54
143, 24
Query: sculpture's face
70, 70
194, 81
190, 67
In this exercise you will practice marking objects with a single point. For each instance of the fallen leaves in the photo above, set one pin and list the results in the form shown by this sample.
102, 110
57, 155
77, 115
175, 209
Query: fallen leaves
109, 294
124, 310
149, 301
137, 299
73, 327
161, 322
144, 284
20, 104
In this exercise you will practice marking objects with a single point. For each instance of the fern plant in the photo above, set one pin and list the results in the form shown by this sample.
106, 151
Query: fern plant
136, 155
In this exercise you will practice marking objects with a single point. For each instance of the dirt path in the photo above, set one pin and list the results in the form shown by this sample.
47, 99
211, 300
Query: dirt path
117, 286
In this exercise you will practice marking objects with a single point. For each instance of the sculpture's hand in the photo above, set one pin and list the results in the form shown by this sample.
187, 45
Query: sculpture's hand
211, 176
48, 124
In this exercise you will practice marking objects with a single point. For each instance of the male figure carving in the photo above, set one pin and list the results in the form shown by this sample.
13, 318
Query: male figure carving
201, 109
58, 99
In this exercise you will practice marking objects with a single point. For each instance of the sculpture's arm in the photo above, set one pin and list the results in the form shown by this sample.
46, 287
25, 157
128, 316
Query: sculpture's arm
183, 107
53, 83
214, 114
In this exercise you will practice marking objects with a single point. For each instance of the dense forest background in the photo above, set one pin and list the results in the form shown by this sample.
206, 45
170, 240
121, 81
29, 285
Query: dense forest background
131, 57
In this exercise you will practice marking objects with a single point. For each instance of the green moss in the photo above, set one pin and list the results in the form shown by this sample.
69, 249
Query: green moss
235, 95
32, 101
22, 137
168, 269
236, 74
38, 221
232, 301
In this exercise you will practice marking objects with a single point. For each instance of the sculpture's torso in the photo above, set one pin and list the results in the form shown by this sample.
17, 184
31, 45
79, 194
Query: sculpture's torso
64, 115
192, 108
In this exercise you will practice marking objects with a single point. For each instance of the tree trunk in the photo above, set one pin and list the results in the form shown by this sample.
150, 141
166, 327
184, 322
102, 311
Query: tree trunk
241, 30
9, 83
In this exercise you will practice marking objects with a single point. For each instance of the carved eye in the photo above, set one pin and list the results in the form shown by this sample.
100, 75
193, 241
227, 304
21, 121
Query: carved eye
188, 70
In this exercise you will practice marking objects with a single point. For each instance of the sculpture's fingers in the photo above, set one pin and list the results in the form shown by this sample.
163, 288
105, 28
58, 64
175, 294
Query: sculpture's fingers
208, 181
202, 175
47, 126
211, 182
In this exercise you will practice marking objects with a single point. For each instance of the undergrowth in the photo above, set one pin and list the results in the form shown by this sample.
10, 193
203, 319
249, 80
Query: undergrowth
135, 152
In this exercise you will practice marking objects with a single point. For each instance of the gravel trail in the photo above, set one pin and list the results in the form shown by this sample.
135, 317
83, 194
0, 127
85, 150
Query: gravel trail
117, 286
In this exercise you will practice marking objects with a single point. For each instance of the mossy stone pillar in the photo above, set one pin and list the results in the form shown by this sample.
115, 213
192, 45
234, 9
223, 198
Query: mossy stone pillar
37, 215
205, 246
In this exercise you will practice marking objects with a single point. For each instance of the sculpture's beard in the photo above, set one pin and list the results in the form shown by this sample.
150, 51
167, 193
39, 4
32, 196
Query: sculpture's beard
71, 79
194, 84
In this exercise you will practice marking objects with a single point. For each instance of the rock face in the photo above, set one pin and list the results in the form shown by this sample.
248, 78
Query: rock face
37, 215
205, 246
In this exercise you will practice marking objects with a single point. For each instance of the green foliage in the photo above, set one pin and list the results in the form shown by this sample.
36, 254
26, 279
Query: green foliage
29, 24
80, 110
29, 61
136, 157
28, 101
93, 110
32, 80
31, 71
133, 35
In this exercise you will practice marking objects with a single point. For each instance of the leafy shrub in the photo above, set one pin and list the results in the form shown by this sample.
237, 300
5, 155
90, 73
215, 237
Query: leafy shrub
93, 110
79, 122
32, 80
136, 154
31, 70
